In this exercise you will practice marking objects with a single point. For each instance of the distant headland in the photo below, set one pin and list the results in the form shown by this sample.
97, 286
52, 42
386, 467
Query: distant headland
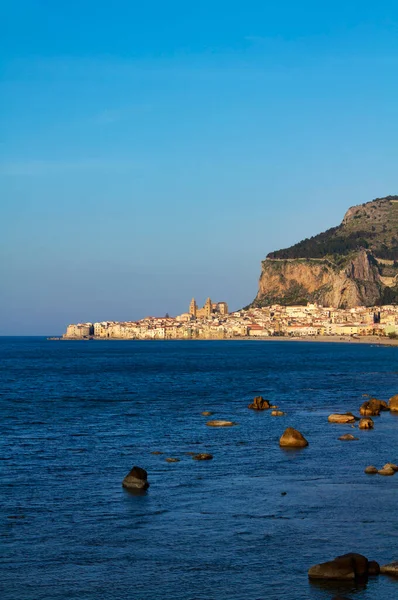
343, 282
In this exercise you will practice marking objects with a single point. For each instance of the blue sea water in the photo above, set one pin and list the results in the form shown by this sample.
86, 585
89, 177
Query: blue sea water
76, 416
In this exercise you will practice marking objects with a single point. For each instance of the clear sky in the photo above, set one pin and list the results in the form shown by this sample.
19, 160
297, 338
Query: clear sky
154, 151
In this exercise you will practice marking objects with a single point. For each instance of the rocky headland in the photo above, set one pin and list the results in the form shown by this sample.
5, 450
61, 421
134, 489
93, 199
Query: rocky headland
353, 264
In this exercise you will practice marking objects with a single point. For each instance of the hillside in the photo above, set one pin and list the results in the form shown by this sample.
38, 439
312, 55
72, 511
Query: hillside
355, 263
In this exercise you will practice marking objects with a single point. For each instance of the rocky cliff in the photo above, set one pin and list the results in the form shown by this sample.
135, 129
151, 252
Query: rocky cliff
353, 264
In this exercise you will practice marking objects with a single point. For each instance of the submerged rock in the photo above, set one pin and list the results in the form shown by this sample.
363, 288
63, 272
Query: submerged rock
202, 456
366, 423
172, 460
291, 438
220, 423
371, 470
339, 418
259, 403
277, 413
207, 413
136, 479
156, 452
347, 437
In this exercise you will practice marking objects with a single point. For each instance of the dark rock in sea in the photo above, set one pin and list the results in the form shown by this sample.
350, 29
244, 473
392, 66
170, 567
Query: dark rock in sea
346, 567
347, 437
371, 470
202, 456
156, 452
374, 568
136, 479
339, 418
390, 569
366, 423
291, 438
393, 403
259, 403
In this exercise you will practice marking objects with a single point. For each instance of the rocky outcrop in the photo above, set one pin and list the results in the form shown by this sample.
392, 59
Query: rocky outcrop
259, 403
292, 438
373, 407
298, 281
366, 423
137, 479
352, 264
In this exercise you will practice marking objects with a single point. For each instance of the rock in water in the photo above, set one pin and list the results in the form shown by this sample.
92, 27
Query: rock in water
202, 456
392, 466
207, 413
277, 413
136, 479
259, 403
387, 471
347, 437
371, 470
172, 460
366, 423
393, 403
338, 418
292, 438
219, 423
371, 408
345, 567
390, 569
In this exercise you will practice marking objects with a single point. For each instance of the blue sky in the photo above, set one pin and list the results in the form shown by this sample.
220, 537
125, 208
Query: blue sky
151, 152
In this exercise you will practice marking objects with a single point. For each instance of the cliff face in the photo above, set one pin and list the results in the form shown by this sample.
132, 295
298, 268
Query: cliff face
298, 281
353, 264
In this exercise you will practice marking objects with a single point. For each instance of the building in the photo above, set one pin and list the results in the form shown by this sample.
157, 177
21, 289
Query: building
209, 309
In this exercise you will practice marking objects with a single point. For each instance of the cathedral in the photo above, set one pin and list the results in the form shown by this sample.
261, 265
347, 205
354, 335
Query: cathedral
209, 309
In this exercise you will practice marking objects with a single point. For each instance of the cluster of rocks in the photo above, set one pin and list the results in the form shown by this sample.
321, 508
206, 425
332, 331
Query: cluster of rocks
388, 469
260, 403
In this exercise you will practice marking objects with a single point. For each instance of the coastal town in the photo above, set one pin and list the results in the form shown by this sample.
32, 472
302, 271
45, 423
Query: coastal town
214, 321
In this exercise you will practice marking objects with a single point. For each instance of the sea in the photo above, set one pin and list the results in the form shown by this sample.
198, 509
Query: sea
76, 416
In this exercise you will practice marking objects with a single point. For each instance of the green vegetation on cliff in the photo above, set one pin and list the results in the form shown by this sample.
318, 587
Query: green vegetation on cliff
353, 264
373, 225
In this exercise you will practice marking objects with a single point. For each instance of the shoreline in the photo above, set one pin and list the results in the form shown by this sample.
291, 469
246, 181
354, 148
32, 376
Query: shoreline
368, 339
